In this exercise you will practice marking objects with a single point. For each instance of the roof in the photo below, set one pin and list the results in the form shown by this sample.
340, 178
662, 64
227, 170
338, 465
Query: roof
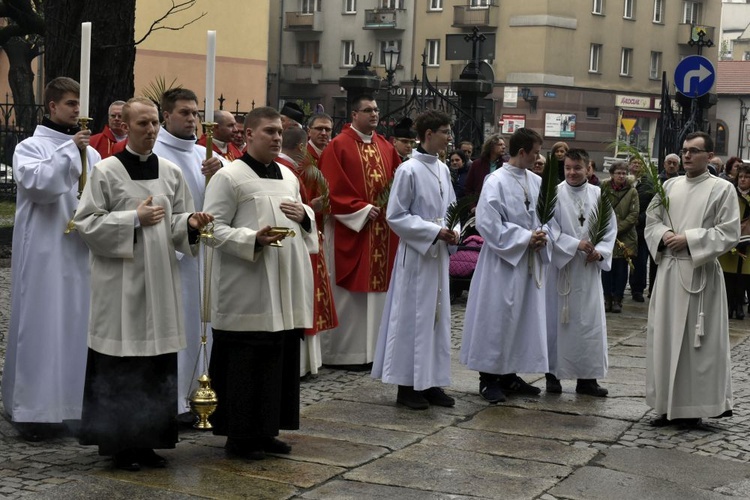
733, 77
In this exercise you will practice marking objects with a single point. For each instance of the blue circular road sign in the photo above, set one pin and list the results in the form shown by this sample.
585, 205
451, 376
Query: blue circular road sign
694, 76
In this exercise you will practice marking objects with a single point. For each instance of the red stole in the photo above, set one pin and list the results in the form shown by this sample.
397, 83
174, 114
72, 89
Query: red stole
232, 153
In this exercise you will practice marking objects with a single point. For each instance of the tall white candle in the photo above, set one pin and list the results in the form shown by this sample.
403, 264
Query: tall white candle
210, 74
85, 68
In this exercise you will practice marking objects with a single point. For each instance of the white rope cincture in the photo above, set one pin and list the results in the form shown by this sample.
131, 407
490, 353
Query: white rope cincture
700, 324
563, 278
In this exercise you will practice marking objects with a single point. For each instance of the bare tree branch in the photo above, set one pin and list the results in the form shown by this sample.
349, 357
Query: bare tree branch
175, 9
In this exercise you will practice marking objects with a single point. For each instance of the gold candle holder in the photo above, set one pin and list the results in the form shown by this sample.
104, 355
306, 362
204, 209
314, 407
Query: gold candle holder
83, 122
288, 232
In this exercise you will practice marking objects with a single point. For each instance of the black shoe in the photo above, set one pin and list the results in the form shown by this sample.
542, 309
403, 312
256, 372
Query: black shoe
553, 384
366, 367
591, 388
245, 448
638, 297
437, 396
513, 383
127, 460
617, 305
491, 391
726, 414
410, 398
688, 422
147, 457
662, 421
39, 431
274, 445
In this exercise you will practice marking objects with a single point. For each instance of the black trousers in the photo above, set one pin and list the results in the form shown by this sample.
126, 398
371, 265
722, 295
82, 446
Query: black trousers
129, 402
256, 379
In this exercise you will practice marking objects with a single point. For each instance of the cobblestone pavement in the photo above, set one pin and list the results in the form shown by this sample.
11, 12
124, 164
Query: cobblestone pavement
38, 469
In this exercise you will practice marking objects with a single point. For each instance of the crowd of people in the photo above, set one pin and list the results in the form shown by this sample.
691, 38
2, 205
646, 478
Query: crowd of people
335, 251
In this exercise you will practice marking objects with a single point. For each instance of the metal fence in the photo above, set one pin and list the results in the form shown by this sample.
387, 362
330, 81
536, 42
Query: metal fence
17, 122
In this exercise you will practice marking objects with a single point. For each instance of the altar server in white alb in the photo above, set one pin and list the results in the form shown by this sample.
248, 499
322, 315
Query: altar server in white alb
261, 295
176, 143
687, 349
135, 212
413, 349
46, 353
576, 323
505, 330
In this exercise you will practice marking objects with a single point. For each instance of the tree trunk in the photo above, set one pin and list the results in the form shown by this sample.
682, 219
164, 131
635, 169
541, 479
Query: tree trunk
21, 53
112, 49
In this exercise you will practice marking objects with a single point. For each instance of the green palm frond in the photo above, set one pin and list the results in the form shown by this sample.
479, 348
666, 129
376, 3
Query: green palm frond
545, 204
155, 89
312, 174
599, 219
459, 210
385, 194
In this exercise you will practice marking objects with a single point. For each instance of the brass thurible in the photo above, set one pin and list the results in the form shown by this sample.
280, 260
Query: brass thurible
84, 123
203, 402
288, 232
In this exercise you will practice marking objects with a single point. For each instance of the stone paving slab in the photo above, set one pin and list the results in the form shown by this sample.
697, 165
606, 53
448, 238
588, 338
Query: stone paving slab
546, 424
621, 361
384, 417
331, 451
521, 447
355, 433
628, 350
457, 479
596, 483
349, 490
634, 376
569, 402
675, 466
101, 487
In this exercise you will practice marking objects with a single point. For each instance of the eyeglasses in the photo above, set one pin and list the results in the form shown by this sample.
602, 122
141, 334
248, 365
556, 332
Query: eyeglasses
410, 142
620, 172
692, 151
368, 111
323, 129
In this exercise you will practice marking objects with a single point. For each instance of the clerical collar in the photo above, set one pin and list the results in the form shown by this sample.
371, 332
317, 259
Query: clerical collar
119, 138
220, 144
315, 148
420, 149
270, 171
138, 155
577, 187
699, 178
367, 139
63, 129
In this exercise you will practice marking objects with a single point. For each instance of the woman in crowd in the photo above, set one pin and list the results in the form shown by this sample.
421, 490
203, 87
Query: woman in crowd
624, 199
591, 173
492, 157
459, 171
736, 267
558, 151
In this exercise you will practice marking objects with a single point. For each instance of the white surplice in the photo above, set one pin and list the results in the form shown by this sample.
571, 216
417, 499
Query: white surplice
253, 289
576, 323
687, 351
505, 327
45, 361
136, 306
189, 156
413, 345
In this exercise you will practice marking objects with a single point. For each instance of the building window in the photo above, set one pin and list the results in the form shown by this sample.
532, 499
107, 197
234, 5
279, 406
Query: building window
392, 4
480, 4
746, 56
388, 45
433, 52
654, 69
658, 11
347, 53
628, 11
592, 112
310, 6
594, 57
598, 7
626, 57
436, 5
691, 12
720, 140
309, 53
350, 6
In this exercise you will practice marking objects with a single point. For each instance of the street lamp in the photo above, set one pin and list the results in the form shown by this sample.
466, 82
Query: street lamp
390, 56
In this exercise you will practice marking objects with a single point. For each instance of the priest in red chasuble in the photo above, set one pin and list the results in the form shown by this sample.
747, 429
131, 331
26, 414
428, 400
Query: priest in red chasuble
359, 165
224, 130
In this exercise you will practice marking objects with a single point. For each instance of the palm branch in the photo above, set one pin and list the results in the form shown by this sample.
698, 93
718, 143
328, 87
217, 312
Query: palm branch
459, 210
545, 204
652, 174
599, 219
155, 89
385, 193
312, 174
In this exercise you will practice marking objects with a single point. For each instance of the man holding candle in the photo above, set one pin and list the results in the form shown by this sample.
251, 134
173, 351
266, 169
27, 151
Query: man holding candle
176, 143
46, 356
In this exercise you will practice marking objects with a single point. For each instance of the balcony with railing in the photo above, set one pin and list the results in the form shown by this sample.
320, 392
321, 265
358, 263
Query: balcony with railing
302, 73
467, 16
385, 19
304, 21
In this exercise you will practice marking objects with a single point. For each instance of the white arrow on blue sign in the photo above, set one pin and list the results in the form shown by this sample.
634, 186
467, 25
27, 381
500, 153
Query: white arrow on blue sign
694, 76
